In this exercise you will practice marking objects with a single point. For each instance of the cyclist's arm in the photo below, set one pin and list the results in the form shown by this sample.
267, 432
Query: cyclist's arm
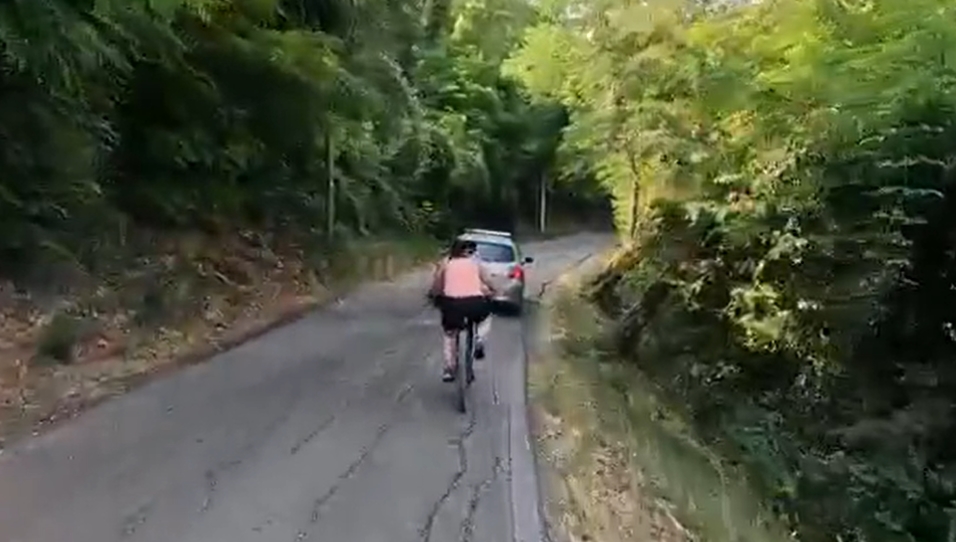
438, 279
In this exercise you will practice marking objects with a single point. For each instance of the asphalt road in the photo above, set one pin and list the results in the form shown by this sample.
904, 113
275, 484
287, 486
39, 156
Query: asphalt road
335, 428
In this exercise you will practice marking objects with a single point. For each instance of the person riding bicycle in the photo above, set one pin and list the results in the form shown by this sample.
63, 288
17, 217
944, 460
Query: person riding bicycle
460, 290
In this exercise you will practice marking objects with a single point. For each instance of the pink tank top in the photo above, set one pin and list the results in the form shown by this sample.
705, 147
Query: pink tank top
462, 278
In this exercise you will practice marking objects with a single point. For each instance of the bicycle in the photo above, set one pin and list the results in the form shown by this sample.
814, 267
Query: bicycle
464, 367
464, 354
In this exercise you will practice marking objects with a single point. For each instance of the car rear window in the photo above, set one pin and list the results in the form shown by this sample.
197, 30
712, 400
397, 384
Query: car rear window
495, 253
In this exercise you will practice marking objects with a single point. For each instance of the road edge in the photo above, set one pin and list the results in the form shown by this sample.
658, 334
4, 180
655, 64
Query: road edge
527, 512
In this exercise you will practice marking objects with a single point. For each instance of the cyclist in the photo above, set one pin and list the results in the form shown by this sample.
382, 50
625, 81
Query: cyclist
460, 290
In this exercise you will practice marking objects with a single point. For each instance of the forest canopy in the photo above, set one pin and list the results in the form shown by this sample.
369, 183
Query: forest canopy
226, 114
784, 171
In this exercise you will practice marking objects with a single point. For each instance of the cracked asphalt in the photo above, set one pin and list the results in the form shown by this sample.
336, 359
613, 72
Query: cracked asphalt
335, 428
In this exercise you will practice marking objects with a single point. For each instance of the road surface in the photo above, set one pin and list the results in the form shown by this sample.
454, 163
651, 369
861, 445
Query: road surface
335, 428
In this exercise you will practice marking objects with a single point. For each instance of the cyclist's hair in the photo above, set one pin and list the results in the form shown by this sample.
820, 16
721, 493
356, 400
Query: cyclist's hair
461, 248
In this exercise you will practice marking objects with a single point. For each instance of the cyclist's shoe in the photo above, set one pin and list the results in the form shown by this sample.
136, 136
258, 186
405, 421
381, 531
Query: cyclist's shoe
448, 375
480, 350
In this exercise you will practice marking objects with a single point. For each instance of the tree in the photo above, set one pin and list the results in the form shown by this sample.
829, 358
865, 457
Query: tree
793, 162
219, 113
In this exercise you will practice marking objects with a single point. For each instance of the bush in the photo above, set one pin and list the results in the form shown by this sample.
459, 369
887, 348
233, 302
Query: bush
786, 171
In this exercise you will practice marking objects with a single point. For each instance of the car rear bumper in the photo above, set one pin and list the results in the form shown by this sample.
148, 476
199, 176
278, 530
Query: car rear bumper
512, 295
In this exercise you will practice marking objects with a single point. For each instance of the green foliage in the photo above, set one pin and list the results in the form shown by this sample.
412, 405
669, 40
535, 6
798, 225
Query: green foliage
785, 170
221, 114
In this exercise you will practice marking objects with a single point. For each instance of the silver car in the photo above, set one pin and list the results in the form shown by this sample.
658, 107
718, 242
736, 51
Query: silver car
501, 257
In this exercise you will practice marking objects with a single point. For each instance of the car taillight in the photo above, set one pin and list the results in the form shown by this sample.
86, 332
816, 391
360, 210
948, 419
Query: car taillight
516, 273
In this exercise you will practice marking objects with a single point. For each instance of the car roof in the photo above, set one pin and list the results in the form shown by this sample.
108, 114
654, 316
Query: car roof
491, 239
480, 231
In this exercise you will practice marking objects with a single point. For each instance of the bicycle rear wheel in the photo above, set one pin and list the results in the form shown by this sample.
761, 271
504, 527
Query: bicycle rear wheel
461, 378
470, 353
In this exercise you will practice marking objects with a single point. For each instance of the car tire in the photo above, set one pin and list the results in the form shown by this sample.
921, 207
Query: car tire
519, 306
514, 309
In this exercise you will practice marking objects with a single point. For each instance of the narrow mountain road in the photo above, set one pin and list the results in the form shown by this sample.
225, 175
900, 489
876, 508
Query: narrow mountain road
335, 428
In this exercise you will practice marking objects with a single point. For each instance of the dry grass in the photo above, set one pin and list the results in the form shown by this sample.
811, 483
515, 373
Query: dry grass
620, 465
177, 308
595, 491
